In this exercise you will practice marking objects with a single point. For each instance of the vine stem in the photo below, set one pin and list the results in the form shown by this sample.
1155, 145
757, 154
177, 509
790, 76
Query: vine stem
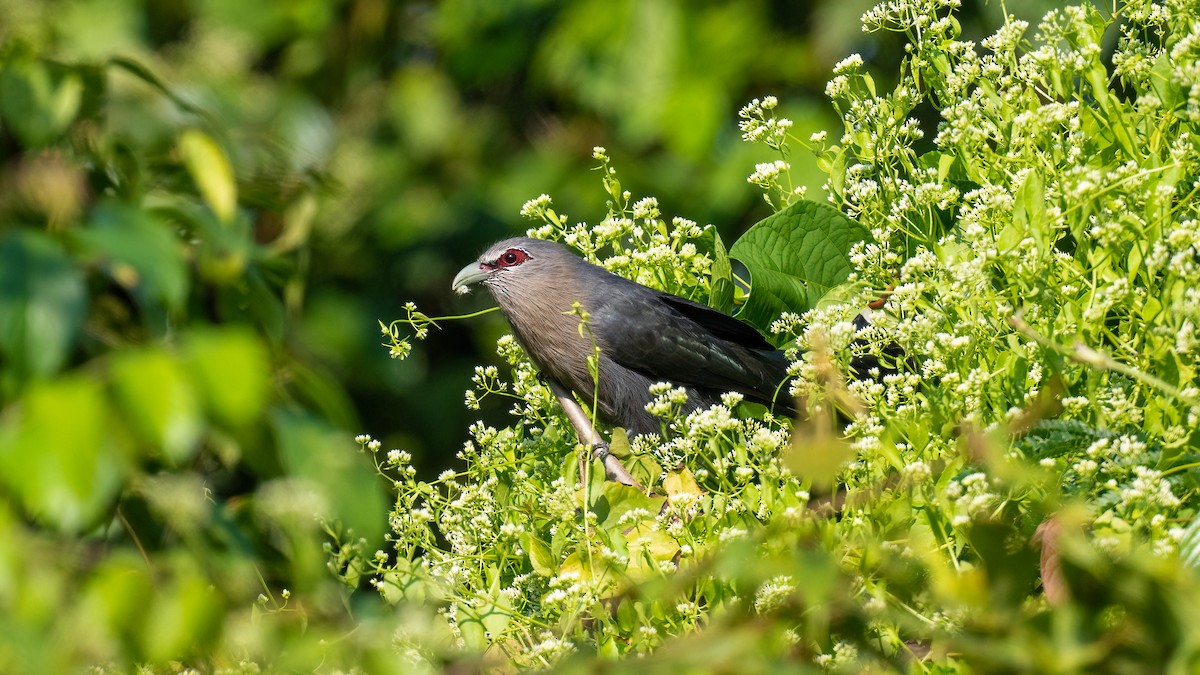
1082, 353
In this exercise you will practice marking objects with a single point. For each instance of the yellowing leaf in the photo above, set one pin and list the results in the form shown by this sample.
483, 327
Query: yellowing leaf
644, 541
573, 565
648, 548
593, 570
211, 171
681, 481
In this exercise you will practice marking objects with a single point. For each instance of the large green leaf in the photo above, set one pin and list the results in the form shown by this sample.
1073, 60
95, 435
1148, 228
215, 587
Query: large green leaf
42, 305
230, 371
57, 456
795, 257
154, 390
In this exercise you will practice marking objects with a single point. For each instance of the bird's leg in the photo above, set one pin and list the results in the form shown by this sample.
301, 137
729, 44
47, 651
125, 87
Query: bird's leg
589, 437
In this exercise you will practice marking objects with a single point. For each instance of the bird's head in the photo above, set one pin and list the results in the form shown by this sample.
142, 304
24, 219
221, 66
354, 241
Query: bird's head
510, 262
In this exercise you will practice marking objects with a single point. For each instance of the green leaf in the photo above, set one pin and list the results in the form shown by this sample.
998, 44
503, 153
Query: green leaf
720, 296
42, 307
57, 456
229, 369
140, 252
795, 257
1114, 116
1029, 215
38, 103
157, 395
211, 171
539, 555
615, 500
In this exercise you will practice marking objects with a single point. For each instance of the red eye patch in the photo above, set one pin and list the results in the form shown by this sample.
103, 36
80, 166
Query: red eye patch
511, 258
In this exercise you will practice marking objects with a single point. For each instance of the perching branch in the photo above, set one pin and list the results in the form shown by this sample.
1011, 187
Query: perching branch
589, 437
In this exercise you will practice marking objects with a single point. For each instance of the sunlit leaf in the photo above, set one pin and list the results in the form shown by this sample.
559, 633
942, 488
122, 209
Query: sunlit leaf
157, 394
681, 481
795, 257
484, 620
211, 171
539, 555
57, 456
229, 368
616, 500
648, 547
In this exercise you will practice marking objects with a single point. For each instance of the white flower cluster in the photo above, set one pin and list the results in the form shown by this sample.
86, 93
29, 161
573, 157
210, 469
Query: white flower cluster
633, 239
843, 657
773, 594
760, 125
971, 497
767, 174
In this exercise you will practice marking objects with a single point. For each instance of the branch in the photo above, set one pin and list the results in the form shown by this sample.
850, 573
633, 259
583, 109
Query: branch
589, 437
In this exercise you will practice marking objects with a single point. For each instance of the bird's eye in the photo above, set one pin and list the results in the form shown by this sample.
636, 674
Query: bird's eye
513, 256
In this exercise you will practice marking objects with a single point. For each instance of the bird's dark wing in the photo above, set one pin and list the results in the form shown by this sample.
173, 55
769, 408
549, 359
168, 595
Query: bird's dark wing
665, 337
717, 323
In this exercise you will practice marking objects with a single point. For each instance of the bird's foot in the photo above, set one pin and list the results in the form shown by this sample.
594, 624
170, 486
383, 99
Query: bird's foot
613, 469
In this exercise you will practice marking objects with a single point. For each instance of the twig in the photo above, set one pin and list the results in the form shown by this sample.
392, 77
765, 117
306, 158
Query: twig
589, 437
1081, 353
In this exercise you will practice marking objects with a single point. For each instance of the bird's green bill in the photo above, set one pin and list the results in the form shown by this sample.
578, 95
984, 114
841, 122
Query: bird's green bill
471, 274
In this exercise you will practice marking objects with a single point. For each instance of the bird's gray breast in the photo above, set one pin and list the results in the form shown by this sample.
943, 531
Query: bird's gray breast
542, 321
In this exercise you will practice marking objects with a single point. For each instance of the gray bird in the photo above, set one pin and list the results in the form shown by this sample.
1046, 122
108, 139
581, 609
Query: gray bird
643, 335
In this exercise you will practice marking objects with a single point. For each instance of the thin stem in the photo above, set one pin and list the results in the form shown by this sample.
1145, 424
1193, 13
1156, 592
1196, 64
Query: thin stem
1081, 353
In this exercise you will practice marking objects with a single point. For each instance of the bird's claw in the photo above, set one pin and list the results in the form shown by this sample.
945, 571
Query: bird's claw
613, 469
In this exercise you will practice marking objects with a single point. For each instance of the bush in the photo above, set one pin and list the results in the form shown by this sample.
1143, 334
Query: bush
1014, 495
